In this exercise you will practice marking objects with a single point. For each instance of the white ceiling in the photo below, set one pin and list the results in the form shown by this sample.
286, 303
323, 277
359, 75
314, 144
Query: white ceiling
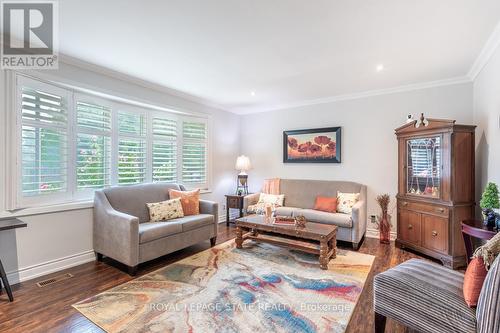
287, 51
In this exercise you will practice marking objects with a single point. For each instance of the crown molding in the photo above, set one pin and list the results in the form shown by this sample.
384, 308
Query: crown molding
360, 95
486, 53
68, 60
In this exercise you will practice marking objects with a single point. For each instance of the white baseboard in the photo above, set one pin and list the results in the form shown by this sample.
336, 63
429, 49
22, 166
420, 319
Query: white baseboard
373, 233
31, 272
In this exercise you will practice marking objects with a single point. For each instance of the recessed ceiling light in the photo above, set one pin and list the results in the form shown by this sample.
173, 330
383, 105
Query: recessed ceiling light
252, 93
380, 68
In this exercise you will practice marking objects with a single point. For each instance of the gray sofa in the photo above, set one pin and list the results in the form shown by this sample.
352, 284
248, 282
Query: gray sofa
122, 230
300, 196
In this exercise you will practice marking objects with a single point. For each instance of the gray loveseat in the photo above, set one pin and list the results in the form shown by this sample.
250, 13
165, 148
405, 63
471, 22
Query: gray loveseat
122, 230
300, 196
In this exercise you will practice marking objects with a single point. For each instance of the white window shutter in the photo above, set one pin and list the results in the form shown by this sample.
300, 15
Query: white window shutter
93, 146
44, 150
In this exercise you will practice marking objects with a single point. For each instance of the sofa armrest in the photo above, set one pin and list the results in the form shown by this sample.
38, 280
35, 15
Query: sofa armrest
115, 234
250, 199
212, 208
358, 220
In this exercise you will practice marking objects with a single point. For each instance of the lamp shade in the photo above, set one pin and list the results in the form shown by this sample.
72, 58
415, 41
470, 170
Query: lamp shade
243, 163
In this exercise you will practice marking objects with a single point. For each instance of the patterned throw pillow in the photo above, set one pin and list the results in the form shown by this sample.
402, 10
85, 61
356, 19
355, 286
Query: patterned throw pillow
165, 210
190, 201
345, 202
273, 199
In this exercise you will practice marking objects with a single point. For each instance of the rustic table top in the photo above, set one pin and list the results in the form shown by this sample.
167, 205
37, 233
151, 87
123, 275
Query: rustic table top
311, 230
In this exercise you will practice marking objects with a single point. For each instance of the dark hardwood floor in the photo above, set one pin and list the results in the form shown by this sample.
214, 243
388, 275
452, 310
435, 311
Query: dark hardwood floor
48, 309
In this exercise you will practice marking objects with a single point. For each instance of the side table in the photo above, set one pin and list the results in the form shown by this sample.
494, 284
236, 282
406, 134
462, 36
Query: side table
233, 201
475, 229
8, 225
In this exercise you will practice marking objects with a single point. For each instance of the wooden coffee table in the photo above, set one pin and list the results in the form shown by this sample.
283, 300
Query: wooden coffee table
315, 238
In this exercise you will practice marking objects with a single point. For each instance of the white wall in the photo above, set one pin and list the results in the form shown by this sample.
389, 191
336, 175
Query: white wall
487, 119
57, 240
369, 146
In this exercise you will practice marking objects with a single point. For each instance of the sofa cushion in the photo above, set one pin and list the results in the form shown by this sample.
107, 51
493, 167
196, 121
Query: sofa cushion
287, 211
132, 199
340, 220
190, 200
165, 210
303, 192
151, 231
195, 221
473, 281
424, 296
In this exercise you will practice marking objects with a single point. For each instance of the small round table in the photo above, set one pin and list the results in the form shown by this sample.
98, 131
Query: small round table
476, 229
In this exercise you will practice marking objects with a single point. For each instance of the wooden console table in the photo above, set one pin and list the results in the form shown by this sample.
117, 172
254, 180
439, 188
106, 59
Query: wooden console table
475, 229
8, 225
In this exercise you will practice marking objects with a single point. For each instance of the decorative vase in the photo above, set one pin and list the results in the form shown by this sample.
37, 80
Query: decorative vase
489, 217
385, 229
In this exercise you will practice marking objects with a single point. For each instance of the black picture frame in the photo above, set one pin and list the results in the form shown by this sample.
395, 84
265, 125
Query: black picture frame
338, 143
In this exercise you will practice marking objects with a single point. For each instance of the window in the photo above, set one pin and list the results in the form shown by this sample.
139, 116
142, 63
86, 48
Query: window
131, 148
93, 146
194, 147
43, 156
164, 149
74, 143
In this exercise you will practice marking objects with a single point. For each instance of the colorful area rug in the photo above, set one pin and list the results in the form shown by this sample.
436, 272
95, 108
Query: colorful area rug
260, 288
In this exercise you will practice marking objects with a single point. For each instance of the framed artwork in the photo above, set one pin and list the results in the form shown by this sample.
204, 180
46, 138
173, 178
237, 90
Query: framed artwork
317, 145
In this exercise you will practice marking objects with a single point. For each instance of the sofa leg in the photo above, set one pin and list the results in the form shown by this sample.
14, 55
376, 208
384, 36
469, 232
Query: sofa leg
213, 240
379, 323
355, 246
132, 270
98, 256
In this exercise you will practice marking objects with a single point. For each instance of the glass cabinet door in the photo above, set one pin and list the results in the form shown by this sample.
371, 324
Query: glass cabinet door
424, 166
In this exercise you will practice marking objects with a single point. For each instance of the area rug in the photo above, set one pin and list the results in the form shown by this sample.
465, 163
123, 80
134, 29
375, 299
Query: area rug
260, 288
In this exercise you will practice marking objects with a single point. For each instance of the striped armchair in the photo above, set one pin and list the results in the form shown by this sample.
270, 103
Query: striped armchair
428, 298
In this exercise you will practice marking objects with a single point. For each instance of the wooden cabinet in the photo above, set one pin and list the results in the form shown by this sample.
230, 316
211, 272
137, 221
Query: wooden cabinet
435, 187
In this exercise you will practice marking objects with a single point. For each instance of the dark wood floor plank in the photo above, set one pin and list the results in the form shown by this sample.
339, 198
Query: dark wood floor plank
48, 309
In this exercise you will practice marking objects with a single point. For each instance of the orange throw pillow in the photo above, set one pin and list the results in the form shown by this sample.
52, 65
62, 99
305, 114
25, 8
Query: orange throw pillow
190, 201
326, 204
473, 281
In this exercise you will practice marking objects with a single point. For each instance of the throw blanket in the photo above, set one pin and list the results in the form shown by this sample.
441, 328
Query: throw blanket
271, 186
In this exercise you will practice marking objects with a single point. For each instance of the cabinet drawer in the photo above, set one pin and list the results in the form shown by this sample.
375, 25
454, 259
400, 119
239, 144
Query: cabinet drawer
424, 208
233, 202
435, 233
409, 226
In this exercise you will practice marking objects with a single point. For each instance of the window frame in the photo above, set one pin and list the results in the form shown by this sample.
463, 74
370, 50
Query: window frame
115, 104
45, 199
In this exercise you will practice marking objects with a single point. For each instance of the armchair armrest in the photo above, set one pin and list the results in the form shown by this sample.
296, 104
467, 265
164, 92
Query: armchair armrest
250, 199
116, 234
212, 208
358, 220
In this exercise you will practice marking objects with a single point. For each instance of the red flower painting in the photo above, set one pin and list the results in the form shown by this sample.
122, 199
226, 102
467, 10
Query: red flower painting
312, 147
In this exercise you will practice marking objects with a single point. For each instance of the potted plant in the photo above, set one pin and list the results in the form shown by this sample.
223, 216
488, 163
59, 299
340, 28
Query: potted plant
384, 219
489, 201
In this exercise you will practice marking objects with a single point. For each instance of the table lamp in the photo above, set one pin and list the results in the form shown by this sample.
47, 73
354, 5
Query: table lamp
242, 164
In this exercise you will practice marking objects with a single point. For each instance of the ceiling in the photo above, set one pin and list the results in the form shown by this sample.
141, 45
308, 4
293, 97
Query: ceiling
285, 51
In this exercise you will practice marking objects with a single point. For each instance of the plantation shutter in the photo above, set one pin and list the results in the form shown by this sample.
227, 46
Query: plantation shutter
164, 149
194, 153
131, 148
93, 146
44, 134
